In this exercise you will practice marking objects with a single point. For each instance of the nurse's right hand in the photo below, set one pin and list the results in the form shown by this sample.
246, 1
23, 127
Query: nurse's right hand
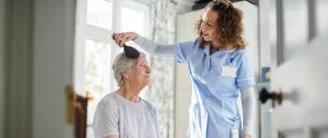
121, 38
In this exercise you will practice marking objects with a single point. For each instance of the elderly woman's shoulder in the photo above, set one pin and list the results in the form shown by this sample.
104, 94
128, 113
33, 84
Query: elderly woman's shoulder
109, 99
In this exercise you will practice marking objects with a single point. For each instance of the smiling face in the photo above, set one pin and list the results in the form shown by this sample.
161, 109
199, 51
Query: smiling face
140, 72
209, 25
221, 25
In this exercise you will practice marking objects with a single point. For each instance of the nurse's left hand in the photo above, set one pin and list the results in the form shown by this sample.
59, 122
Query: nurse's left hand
246, 136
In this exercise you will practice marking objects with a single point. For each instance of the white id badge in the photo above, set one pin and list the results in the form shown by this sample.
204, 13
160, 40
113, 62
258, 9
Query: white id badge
228, 71
234, 133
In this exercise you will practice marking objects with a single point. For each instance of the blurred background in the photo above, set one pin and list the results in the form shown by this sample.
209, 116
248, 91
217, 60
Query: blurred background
56, 57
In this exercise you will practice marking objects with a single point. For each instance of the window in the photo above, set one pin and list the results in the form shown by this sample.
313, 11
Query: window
95, 50
99, 13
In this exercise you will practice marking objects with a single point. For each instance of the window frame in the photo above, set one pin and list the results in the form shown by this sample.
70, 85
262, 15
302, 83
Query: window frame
84, 31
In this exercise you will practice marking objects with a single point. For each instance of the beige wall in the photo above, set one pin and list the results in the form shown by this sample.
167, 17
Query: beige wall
185, 32
39, 56
2, 94
52, 68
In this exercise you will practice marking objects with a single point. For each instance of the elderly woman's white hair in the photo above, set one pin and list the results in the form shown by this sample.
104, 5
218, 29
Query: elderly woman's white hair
122, 64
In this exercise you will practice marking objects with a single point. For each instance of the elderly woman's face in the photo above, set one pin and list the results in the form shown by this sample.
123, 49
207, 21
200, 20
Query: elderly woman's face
140, 71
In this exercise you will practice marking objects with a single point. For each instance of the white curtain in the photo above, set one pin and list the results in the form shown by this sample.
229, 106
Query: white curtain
161, 91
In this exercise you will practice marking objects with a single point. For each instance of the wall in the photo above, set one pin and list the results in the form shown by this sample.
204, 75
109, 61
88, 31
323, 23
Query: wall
2, 77
52, 57
321, 16
39, 43
185, 32
18, 41
264, 27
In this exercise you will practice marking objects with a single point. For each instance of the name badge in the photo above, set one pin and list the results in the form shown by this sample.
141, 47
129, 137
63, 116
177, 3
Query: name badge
229, 71
234, 133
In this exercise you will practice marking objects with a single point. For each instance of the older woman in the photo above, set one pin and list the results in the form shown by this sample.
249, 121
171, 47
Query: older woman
123, 114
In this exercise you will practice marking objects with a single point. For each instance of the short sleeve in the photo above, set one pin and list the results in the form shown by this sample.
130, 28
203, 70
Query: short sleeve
183, 51
245, 76
106, 119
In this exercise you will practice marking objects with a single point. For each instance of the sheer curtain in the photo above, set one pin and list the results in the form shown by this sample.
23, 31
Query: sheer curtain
161, 91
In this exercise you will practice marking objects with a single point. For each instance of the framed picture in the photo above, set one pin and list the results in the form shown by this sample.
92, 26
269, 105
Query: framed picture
265, 74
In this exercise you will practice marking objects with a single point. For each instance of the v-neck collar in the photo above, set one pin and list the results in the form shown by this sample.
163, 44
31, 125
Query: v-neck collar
207, 50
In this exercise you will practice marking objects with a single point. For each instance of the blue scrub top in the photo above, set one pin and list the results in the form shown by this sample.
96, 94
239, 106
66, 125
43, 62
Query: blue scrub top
213, 111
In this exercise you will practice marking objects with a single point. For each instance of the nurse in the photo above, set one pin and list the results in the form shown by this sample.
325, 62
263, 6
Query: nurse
220, 70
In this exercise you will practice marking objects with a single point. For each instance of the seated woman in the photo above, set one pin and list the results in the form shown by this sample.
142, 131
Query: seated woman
123, 114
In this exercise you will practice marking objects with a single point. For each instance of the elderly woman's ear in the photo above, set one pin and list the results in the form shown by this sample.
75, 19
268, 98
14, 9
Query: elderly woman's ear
125, 75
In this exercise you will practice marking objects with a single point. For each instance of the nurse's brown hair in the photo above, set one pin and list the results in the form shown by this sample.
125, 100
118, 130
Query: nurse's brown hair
229, 24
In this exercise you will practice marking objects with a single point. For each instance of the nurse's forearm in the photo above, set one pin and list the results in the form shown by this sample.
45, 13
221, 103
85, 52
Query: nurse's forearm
248, 103
153, 48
